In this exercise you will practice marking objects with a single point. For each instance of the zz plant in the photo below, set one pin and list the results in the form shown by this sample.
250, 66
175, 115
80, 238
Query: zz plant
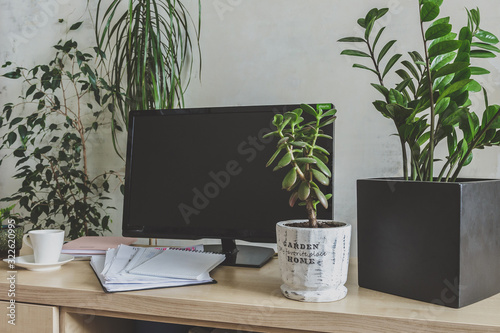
46, 133
300, 152
431, 101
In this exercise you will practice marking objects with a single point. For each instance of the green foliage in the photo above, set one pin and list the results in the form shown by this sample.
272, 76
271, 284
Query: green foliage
431, 102
6, 213
299, 150
150, 50
45, 133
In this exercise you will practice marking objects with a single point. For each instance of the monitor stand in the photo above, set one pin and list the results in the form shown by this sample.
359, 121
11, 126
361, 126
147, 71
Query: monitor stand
242, 255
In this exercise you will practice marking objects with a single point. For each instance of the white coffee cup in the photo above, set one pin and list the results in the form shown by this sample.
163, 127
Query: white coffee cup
46, 245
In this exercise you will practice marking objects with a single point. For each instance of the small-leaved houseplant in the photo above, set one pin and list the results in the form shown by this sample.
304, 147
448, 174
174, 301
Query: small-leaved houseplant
313, 255
46, 132
430, 230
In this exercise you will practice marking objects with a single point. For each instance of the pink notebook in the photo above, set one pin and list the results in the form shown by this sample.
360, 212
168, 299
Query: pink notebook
95, 244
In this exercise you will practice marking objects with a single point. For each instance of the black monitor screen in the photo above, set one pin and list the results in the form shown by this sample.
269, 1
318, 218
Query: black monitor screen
201, 173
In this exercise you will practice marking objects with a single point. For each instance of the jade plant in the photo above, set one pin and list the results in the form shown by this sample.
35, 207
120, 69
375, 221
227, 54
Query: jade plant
430, 102
306, 159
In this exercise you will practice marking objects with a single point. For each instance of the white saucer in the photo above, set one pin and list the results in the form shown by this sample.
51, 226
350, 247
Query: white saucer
28, 262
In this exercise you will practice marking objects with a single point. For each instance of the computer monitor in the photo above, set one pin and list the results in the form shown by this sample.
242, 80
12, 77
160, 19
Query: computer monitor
201, 173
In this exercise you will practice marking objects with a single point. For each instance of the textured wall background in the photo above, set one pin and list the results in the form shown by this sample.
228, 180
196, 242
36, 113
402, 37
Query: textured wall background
267, 52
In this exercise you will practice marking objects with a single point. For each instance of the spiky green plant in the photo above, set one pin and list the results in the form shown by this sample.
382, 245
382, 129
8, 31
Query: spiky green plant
149, 46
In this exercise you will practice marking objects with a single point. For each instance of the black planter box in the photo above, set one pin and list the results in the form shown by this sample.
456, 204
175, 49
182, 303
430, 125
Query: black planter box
429, 241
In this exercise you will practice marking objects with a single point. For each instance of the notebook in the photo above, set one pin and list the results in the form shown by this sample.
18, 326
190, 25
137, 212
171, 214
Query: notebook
181, 264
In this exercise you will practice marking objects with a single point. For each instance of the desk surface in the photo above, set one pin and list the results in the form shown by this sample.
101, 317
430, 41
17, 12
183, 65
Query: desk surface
250, 299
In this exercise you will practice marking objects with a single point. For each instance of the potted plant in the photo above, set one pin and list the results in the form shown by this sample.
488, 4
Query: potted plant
46, 132
11, 234
148, 48
430, 235
313, 254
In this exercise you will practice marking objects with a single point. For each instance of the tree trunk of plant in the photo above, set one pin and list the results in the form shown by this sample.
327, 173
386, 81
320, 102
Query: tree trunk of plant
311, 214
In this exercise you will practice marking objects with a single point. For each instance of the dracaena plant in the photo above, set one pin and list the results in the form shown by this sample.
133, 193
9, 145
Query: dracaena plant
45, 133
301, 152
147, 47
431, 101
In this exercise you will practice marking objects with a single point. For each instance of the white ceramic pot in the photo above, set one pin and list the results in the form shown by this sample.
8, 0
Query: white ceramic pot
313, 261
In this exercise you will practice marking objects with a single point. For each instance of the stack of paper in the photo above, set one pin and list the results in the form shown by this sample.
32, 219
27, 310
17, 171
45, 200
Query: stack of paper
134, 268
92, 245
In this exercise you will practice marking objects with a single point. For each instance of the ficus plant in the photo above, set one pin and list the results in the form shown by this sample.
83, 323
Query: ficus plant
147, 50
430, 103
46, 132
300, 151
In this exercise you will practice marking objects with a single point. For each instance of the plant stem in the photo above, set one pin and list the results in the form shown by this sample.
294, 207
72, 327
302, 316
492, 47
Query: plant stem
311, 213
375, 64
405, 158
431, 99
473, 144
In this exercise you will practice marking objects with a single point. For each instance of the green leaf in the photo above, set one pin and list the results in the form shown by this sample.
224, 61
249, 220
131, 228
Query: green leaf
482, 54
489, 114
293, 198
329, 113
289, 179
15, 121
429, 11
442, 60
454, 87
370, 19
23, 131
351, 40
450, 69
45, 149
30, 90
452, 142
437, 31
411, 68
304, 191
322, 167
364, 67
13, 75
355, 53
299, 144
11, 138
442, 105
321, 197
486, 37
478, 71
75, 26
38, 95
309, 109
474, 86
468, 160
271, 160
285, 160
375, 41
443, 47
465, 34
305, 160
391, 63
383, 90
320, 177
385, 49
486, 46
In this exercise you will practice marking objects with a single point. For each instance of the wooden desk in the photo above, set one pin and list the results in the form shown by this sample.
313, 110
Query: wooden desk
244, 299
